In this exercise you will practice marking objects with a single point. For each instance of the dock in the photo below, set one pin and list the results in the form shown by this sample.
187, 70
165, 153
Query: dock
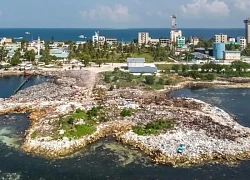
23, 83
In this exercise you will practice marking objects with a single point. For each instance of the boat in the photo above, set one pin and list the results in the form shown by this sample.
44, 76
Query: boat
81, 36
18, 38
27, 32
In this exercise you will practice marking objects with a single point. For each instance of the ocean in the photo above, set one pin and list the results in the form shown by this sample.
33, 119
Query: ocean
109, 159
127, 35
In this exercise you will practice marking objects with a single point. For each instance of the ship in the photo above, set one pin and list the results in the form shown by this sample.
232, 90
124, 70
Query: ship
81, 36
27, 33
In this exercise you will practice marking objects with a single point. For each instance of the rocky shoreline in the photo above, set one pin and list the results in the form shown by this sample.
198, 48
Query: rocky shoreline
208, 133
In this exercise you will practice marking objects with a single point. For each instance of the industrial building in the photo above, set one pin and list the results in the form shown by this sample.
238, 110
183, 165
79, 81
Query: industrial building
138, 65
232, 55
221, 38
218, 50
247, 30
200, 50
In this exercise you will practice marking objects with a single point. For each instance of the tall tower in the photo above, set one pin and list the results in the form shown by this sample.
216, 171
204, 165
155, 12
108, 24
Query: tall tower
38, 46
247, 30
174, 23
174, 33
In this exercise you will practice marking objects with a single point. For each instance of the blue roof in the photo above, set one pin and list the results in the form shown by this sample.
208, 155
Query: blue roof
146, 69
135, 60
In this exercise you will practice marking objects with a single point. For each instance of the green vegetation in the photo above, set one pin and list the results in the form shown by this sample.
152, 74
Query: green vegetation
119, 79
126, 112
33, 135
81, 123
154, 127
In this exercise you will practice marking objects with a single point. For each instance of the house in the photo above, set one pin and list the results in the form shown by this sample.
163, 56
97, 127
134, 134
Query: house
138, 65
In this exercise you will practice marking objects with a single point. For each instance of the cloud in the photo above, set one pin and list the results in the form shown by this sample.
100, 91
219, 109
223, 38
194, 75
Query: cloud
118, 13
158, 14
200, 7
242, 4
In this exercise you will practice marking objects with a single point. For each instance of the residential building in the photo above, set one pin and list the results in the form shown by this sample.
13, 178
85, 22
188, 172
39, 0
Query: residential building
218, 50
247, 30
143, 38
112, 41
242, 42
181, 41
231, 40
221, 38
195, 41
154, 41
5, 41
164, 42
232, 55
174, 34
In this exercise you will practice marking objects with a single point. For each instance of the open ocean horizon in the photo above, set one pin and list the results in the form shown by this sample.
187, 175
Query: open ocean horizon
126, 35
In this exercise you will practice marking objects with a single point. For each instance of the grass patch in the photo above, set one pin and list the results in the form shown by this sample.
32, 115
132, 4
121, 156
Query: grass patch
126, 112
80, 123
154, 127
33, 135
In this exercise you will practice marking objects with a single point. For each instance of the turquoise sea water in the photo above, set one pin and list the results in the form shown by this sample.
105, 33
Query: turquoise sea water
126, 35
108, 159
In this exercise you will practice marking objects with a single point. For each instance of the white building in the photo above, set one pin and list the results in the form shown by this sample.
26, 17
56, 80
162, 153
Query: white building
95, 38
232, 55
231, 40
195, 41
112, 41
154, 41
242, 42
174, 34
164, 42
143, 38
135, 62
221, 38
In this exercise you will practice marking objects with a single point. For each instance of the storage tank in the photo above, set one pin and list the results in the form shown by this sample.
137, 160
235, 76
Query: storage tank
210, 51
218, 49
200, 50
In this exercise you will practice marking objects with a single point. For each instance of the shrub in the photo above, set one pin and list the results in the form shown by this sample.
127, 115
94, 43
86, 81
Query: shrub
150, 80
161, 81
107, 78
126, 112
153, 127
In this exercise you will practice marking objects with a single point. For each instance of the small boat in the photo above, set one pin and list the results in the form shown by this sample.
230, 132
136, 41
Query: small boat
81, 36
27, 33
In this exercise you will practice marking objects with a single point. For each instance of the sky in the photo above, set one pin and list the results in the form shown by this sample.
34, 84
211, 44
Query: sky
123, 13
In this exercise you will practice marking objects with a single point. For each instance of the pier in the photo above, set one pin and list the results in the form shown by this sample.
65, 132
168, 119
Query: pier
23, 83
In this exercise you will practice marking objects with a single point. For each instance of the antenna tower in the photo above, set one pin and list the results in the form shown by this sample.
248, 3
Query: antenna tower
174, 23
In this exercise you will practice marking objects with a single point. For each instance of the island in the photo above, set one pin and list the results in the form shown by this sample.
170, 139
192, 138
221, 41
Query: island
77, 107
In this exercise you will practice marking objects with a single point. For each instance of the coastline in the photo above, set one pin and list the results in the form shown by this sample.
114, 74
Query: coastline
54, 105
